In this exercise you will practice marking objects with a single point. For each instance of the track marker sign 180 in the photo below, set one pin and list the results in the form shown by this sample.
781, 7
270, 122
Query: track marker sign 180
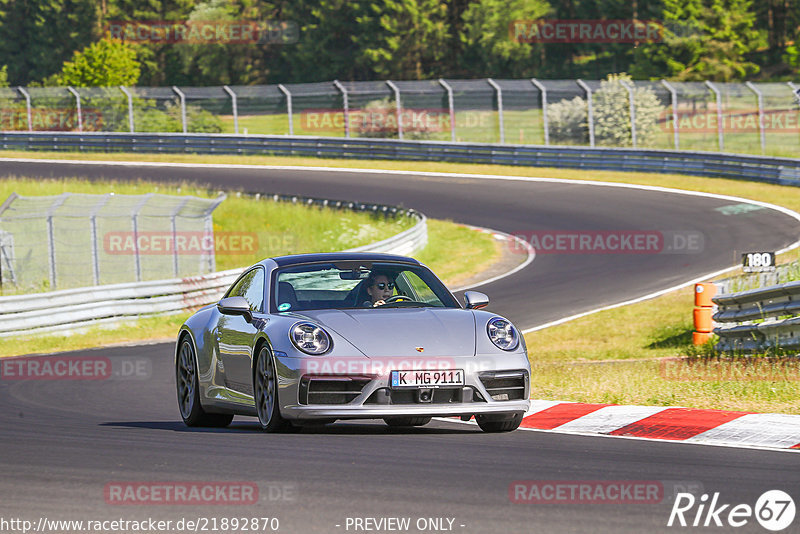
758, 262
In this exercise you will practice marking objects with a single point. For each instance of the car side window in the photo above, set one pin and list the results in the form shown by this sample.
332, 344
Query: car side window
251, 287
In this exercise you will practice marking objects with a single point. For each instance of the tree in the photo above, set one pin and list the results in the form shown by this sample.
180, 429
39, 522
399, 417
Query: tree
109, 62
403, 39
36, 37
703, 40
4, 76
489, 47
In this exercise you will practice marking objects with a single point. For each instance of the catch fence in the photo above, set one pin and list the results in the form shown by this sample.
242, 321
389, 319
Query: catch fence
761, 118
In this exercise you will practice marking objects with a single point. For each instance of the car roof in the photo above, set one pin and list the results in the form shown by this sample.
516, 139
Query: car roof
296, 259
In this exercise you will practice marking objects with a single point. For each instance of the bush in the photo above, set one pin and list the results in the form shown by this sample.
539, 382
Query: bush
568, 119
378, 118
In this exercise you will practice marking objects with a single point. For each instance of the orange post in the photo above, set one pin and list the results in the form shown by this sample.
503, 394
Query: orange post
703, 325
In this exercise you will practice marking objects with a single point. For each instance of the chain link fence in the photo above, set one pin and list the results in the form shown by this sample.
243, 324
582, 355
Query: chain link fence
78, 240
757, 118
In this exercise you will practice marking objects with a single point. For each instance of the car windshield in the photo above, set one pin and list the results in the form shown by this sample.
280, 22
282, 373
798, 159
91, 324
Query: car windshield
346, 285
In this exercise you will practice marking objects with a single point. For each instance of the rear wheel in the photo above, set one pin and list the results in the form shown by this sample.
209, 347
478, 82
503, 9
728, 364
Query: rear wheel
189, 391
266, 394
492, 424
407, 421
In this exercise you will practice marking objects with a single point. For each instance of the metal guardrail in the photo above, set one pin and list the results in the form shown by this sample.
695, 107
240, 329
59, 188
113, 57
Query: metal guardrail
82, 307
784, 171
759, 319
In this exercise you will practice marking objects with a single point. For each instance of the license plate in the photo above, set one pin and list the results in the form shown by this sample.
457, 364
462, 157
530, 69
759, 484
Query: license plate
427, 378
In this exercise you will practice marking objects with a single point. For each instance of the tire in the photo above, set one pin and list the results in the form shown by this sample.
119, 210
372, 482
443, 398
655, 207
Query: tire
188, 390
265, 389
406, 421
492, 425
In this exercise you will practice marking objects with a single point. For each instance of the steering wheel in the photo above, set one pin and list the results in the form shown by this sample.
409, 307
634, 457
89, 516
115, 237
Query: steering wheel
397, 298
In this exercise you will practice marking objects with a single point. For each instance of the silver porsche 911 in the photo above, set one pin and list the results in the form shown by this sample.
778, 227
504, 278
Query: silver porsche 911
312, 338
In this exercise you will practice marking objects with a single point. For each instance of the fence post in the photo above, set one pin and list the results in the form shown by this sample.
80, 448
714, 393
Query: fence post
760, 99
78, 103
720, 136
130, 107
451, 106
632, 101
209, 229
174, 227
51, 238
135, 220
3, 254
543, 90
674, 97
590, 111
341, 88
93, 223
27, 106
398, 109
499, 92
235, 107
183, 106
288, 95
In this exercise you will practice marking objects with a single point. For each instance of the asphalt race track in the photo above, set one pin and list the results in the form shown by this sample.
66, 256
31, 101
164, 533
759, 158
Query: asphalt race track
63, 442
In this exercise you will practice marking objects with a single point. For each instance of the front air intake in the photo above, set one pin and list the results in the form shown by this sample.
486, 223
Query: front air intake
330, 389
506, 386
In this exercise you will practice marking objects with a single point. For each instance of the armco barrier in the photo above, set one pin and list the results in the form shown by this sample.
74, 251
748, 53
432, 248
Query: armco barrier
759, 319
785, 171
76, 308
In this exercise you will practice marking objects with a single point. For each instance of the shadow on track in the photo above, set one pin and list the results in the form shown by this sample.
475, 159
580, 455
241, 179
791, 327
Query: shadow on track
341, 428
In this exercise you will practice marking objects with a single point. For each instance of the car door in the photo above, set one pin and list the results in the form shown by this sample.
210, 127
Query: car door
236, 337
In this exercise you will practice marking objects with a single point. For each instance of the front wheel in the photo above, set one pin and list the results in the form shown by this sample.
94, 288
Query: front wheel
406, 421
189, 391
266, 394
490, 424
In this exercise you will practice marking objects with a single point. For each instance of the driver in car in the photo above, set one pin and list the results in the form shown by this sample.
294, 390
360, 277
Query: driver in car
380, 286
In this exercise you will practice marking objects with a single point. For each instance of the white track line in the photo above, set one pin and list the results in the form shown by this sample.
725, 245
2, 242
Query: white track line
659, 189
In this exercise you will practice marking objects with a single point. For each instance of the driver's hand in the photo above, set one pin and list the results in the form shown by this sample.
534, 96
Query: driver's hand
379, 303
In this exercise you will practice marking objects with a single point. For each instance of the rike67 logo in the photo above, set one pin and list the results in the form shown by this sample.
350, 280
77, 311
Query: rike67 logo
774, 510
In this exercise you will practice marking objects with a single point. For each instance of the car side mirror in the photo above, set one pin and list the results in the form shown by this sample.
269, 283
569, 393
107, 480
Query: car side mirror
235, 306
475, 300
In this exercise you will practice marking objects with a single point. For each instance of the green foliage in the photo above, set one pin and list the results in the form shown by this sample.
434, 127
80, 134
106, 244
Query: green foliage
487, 39
703, 40
4, 76
106, 63
568, 119
612, 113
410, 41
37, 36
378, 118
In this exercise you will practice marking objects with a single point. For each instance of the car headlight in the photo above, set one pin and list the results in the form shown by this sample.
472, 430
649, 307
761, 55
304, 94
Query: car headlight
310, 338
503, 334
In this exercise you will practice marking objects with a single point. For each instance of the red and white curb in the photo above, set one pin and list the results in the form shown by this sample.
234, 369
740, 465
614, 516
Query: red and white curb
688, 425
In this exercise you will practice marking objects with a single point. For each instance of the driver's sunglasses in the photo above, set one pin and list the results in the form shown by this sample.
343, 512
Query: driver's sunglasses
383, 285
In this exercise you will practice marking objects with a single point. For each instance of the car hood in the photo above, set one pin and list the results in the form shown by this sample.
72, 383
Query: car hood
393, 332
